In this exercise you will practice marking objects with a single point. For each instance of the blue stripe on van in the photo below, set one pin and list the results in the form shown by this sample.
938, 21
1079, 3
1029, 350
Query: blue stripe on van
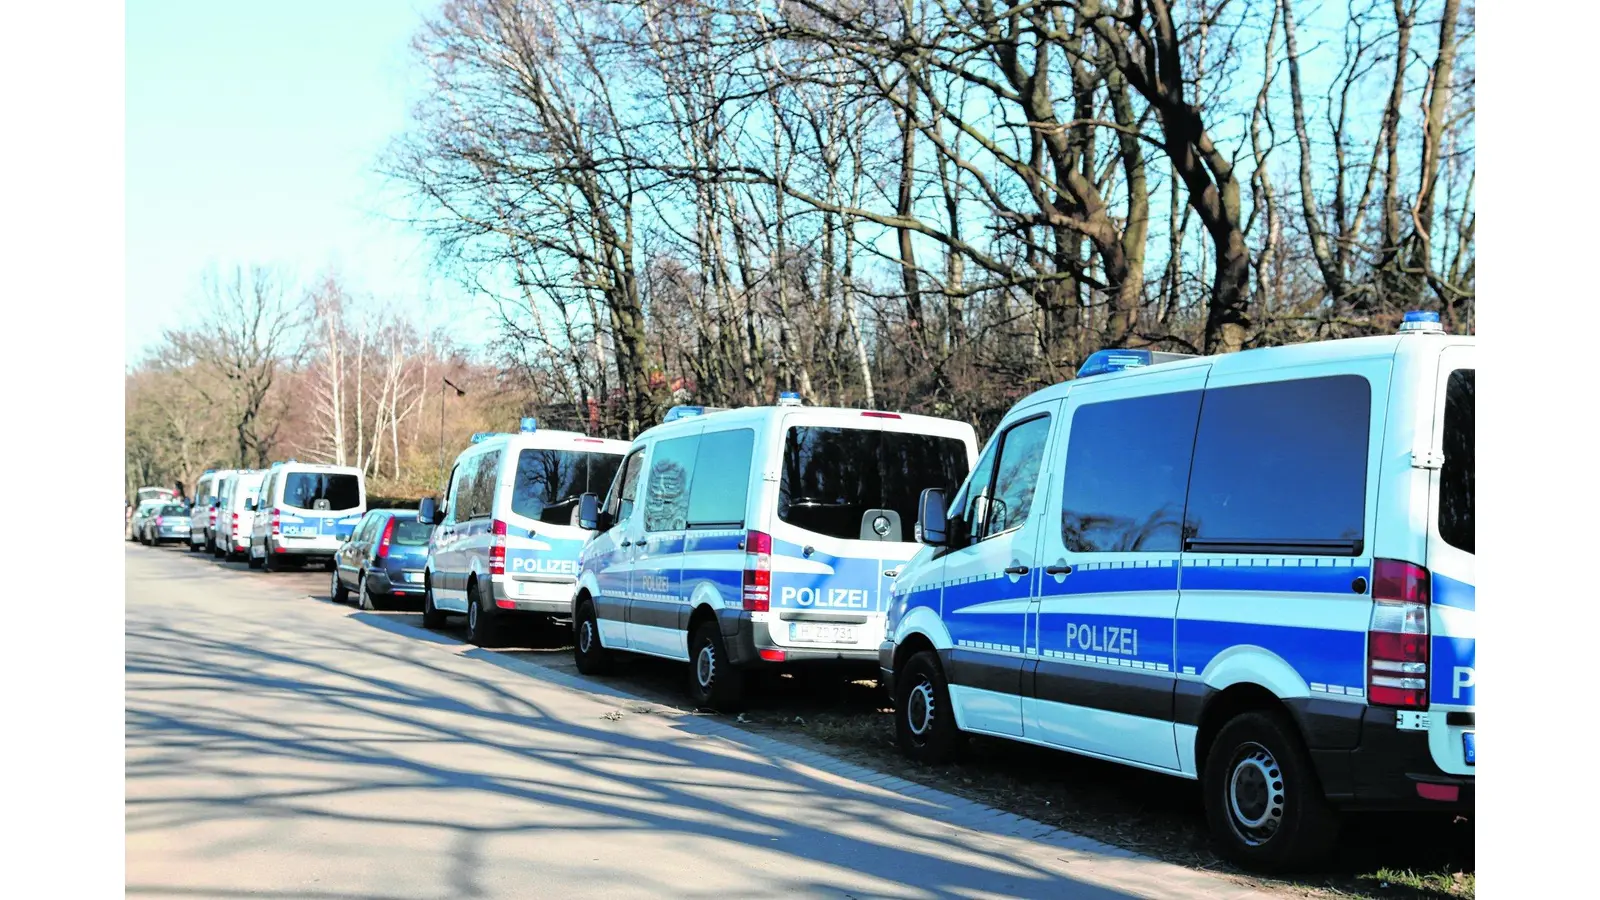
1325, 576
1458, 594
1320, 655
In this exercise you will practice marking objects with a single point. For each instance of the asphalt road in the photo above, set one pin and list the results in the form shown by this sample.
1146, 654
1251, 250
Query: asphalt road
281, 746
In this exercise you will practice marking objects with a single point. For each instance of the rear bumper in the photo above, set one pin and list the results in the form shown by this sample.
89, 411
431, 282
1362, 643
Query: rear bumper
381, 581
548, 597
1384, 769
745, 638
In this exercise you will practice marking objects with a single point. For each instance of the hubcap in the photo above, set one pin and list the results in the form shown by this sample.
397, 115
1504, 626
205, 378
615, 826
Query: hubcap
919, 709
586, 636
1255, 794
472, 615
705, 665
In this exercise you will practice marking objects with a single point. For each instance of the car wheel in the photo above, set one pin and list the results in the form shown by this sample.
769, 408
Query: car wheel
337, 592
432, 618
924, 720
1262, 798
591, 656
713, 679
482, 625
363, 597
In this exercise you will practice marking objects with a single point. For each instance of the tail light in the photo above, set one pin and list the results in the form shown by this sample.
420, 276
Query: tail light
1397, 639
383, 545
497, 550
213, 516
277, 529
757, 571
158, 521
235, 521
881, 415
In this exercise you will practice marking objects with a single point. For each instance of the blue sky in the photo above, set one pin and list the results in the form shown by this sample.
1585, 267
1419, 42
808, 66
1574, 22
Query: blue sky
252, 134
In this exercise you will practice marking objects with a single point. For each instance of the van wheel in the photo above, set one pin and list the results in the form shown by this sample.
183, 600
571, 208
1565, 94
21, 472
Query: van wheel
714, 681
591, 656
338, 593
924, 718
1262, 798
254, 561
432, 618
482, 627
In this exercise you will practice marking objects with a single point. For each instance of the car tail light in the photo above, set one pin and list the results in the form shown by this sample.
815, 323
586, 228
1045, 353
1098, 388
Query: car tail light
497, 550
1397, 639
757, 571
158, 521
773, 655
277, 527
383, 544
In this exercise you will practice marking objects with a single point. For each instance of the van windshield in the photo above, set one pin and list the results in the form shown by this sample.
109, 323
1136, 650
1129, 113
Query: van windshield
321, 491
549, 482
1456, 476
833, 476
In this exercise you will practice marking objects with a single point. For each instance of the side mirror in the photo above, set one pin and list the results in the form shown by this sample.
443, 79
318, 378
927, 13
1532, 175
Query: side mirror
428, 511
249, 506
589, 512
932, 520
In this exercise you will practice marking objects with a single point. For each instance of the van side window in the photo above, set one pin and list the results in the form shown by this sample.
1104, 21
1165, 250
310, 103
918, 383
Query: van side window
721, 480
620, 501
483, 483
1455, 477
1126, 470
666, 498
1281, 467
1016, 476
461, 492
968, 505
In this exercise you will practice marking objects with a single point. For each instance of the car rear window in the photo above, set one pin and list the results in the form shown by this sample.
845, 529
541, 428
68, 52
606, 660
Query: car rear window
321, 491
173, 509
1456, 476
833, 476
549, 482
408, 532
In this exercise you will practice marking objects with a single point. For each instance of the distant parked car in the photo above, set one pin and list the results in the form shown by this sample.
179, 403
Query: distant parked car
142, 515
164, 522
383, 559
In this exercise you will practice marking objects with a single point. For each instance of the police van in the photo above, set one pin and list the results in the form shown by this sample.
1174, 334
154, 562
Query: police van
506, 539
236, 499
304, 511
1253, 570
760, 536
205, 490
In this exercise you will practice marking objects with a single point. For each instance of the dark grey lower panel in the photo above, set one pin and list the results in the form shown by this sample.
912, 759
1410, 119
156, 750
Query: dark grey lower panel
1130, 692
985, 671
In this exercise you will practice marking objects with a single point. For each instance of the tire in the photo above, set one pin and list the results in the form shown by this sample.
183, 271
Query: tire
254, 563
591, 656
483, 628
268, 563
432, 618
924, 718
363, 597
714, 681
337, 592
1262, 798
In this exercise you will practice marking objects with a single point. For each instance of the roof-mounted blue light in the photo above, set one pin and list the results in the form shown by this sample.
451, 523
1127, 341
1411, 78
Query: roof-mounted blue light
484, 436
1102, 362
683, 412
789, 398
1421, 321
529, 425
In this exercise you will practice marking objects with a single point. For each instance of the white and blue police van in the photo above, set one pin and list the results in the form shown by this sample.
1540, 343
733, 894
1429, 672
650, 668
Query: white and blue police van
236, 500
202, 511
303, 512
758, 537
506, 539
1252, 570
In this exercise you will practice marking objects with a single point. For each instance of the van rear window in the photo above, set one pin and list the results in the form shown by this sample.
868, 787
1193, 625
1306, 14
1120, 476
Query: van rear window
833, 476
549, 482
321, 491
1456, 476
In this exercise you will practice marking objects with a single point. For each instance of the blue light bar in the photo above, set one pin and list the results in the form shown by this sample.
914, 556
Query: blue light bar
683, 412
789, 398
1422, 321
484, 436
529, 425
1102, 362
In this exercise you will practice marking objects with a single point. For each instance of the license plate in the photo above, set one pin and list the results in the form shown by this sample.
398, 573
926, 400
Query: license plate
414, 577
1467, 746
822, 633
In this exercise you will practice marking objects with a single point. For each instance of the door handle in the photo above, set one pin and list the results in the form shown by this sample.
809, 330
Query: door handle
1016, 570
626, 544
1058, 570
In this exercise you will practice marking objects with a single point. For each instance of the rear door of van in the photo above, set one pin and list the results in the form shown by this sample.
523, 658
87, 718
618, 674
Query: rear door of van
1451, 554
